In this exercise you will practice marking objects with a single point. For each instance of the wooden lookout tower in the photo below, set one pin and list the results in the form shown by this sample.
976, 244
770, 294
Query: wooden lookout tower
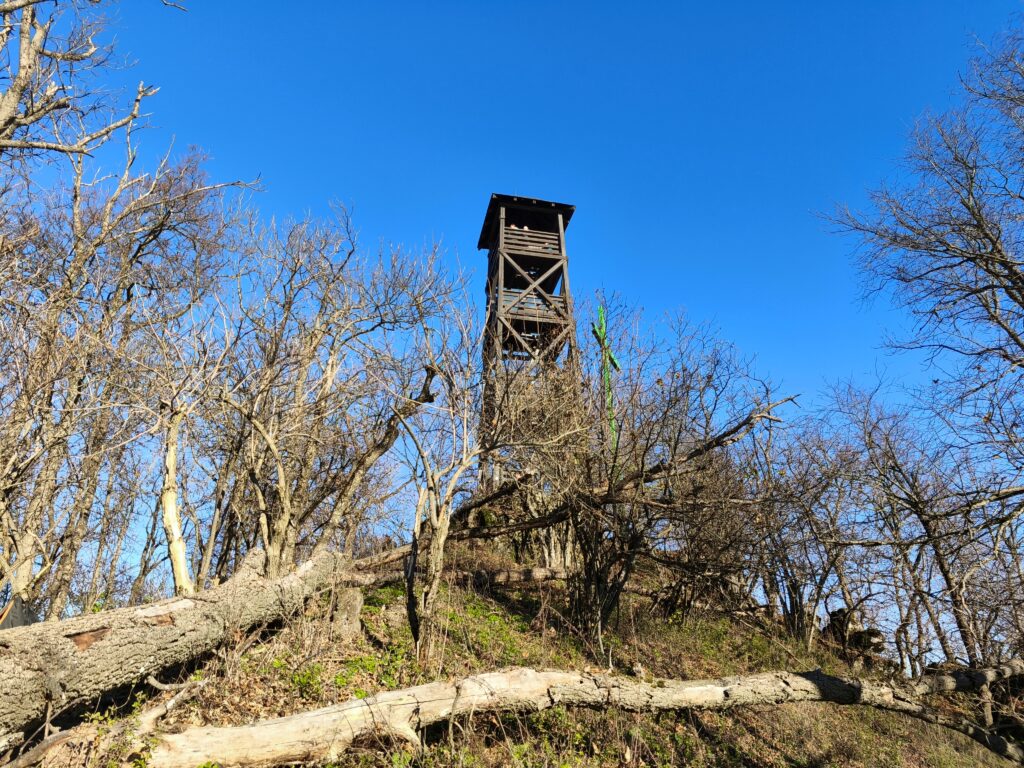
529, 331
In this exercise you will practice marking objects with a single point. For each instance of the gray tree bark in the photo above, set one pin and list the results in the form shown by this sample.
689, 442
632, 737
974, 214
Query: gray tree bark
325, 734
53, 667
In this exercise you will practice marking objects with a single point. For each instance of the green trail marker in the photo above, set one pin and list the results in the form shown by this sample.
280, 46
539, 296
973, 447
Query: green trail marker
608, 361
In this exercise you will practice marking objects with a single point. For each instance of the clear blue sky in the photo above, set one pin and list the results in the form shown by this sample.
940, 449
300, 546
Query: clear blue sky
699, 141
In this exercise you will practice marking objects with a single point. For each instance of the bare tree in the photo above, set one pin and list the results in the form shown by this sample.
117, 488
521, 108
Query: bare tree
96, 253
139, 245
48, 106
306, 404
946, 243
667, 489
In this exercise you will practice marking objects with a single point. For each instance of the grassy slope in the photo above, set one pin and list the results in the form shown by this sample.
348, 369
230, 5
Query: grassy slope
306, 666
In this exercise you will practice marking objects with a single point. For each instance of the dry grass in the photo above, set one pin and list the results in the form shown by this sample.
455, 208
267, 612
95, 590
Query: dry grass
305, 665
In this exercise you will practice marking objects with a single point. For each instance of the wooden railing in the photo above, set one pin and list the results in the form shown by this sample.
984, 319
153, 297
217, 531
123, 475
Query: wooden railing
532, 241
533, 305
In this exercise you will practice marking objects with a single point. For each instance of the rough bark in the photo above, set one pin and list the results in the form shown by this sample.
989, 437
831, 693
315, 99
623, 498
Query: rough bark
482, 579
59, 666
348, 605
325, 734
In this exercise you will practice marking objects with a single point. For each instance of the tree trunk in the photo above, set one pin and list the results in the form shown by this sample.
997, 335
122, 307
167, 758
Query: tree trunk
61, 666
325, 734
482, 579
432, 583
169, 508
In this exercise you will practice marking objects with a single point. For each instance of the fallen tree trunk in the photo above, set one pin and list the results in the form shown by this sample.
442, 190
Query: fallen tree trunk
53, 667
325, 734
483, 579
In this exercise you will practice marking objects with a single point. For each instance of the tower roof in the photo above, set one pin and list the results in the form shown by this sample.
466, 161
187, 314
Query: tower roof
514, 201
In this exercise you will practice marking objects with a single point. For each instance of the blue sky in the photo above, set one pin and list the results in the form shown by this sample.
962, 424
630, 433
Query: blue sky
699, 142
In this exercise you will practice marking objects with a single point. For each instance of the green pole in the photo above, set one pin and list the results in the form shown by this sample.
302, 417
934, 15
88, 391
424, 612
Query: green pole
608, 361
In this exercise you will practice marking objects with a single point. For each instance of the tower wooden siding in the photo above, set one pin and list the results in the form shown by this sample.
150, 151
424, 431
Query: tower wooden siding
529, 308
529, 331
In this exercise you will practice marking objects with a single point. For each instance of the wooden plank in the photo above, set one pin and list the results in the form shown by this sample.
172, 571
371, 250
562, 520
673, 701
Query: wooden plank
565, 290
538, 318
534, 289
534, 251
510, 298
540, 234
501, 259
529, 234
529, 242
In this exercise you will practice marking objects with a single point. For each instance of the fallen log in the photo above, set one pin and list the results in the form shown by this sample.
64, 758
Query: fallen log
53, 667
483, 579
325, 734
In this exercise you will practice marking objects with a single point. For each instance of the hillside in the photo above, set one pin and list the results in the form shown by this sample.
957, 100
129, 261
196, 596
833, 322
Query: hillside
310, 664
